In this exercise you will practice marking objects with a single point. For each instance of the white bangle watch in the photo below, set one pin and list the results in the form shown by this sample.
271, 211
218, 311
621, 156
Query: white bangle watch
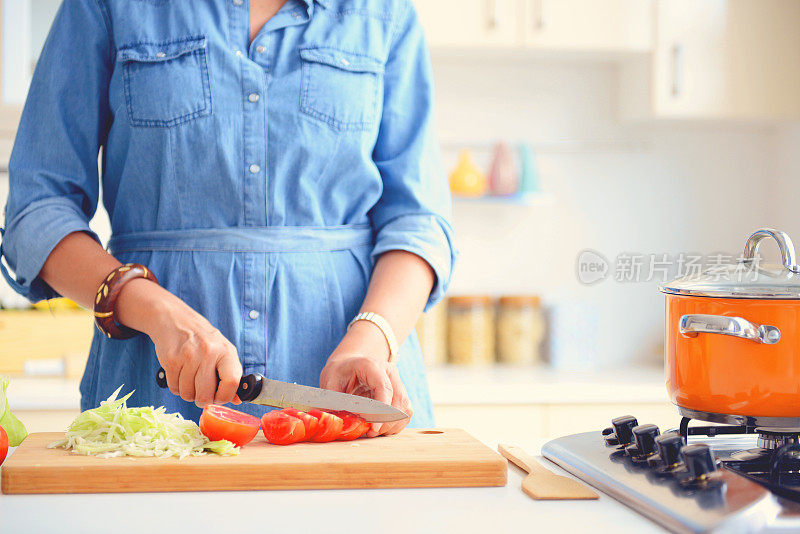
384, 326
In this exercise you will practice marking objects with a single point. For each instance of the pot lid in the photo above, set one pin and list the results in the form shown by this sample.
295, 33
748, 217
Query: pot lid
747, 278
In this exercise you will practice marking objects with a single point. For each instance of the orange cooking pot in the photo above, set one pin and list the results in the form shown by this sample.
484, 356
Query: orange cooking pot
732, 347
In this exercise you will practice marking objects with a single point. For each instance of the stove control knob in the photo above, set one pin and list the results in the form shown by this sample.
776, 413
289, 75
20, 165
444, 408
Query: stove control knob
610, 437
645, 439
669, 448
699, 461
623, 428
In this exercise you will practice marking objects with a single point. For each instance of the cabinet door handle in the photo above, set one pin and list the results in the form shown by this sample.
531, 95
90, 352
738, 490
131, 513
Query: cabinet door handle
541, 19
677, 70
494, 14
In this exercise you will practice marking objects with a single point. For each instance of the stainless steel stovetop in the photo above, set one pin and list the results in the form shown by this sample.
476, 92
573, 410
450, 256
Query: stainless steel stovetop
693, 491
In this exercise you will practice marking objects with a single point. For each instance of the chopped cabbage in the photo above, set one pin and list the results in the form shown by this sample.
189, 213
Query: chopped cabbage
13, 426
113, 429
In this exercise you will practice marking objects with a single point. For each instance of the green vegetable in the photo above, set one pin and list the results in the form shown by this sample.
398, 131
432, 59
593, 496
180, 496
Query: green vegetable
13, 426
113, 429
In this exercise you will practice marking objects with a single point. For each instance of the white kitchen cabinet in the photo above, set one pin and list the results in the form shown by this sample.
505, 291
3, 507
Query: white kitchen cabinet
588, 25
718, 59
561, 25
470, 23
46, 420
494, 424
531, 422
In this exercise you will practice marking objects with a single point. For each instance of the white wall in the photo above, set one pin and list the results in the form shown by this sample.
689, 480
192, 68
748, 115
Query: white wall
688, 188
783, 191
693, 188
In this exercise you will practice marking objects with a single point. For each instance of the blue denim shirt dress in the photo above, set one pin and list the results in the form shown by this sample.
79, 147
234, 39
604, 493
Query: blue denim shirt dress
258, 180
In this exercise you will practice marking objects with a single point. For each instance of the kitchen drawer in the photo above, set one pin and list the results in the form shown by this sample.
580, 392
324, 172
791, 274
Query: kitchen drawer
46, 420
36, 335
563, 419
523, 423
495, 423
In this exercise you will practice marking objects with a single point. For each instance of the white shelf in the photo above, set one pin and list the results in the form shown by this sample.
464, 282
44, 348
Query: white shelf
527, 199
558, 146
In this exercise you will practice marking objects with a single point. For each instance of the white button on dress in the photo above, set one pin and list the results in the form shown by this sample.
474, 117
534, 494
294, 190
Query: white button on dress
261, 49
254, 168
253, 314
253, 97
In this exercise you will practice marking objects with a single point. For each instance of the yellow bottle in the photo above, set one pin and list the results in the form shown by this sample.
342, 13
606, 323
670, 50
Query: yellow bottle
467, 179
57, 304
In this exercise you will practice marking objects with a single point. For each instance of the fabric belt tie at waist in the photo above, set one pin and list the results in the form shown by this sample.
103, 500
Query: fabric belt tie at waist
247, 239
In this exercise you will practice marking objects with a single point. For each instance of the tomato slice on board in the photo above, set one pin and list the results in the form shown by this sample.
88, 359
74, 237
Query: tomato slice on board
310, 422
3, 444
354, 426
220, 422
330, 426
281, 428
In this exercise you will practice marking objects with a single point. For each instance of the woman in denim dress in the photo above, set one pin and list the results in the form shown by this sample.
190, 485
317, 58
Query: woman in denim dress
272, 162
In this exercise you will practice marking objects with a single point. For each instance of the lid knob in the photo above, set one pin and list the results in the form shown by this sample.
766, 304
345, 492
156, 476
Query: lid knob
784, 242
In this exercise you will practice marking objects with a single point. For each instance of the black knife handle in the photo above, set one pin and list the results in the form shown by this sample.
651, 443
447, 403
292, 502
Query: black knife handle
249, 385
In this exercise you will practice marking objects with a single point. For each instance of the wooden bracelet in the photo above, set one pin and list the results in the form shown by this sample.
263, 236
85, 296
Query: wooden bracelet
106, 300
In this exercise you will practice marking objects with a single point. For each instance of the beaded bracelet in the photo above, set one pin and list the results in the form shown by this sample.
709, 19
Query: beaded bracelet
106, 300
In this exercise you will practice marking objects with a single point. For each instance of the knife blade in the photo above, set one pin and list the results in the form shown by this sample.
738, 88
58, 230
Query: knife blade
256, 389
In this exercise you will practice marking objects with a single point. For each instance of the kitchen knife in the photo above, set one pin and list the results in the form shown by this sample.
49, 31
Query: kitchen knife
256, 389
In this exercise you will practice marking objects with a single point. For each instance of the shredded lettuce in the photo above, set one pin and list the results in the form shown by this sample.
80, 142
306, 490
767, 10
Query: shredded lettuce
113, 429
13, 426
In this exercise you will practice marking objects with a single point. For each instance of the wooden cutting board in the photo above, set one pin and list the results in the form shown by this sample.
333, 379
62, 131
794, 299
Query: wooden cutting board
412, 459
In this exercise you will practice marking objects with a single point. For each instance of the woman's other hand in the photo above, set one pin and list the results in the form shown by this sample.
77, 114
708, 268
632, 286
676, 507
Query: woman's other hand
190, 349
360, 366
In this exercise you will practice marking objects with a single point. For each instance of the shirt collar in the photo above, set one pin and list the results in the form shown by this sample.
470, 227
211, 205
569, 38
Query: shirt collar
323, 3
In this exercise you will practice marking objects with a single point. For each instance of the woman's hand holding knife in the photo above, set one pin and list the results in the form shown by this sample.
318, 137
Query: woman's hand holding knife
190, 349
399, 288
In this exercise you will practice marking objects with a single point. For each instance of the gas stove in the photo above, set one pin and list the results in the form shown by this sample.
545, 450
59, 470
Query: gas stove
694, 478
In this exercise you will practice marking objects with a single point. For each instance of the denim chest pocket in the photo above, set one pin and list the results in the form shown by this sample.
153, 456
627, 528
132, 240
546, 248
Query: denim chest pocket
340, 88
166, 83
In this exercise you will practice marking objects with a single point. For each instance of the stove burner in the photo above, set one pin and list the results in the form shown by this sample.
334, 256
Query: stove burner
775, 464
775, 438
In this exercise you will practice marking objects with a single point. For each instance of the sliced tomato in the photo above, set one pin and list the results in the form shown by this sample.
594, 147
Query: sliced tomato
219, 422
310, 422
281, 428
330, 426
3, 444
354, 426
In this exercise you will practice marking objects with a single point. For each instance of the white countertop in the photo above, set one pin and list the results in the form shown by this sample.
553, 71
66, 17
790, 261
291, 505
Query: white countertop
514, 385
448, 385
384, 511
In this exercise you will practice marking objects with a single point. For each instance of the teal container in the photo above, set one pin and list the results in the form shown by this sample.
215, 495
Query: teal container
528, 171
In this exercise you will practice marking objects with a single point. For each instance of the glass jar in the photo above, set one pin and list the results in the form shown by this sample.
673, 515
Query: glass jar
470, 330
432, 332
520, 330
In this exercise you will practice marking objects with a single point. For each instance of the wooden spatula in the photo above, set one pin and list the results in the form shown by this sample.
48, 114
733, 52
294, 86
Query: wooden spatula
541, 483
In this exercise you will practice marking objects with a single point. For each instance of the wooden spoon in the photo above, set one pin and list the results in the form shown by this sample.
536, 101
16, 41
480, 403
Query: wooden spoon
541, 483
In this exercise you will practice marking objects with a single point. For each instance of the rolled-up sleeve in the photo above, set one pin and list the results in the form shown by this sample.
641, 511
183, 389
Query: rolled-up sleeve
54, 184
414, 211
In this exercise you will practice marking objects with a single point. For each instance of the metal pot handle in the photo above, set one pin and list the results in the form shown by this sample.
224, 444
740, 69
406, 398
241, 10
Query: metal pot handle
784, 244
691, 325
